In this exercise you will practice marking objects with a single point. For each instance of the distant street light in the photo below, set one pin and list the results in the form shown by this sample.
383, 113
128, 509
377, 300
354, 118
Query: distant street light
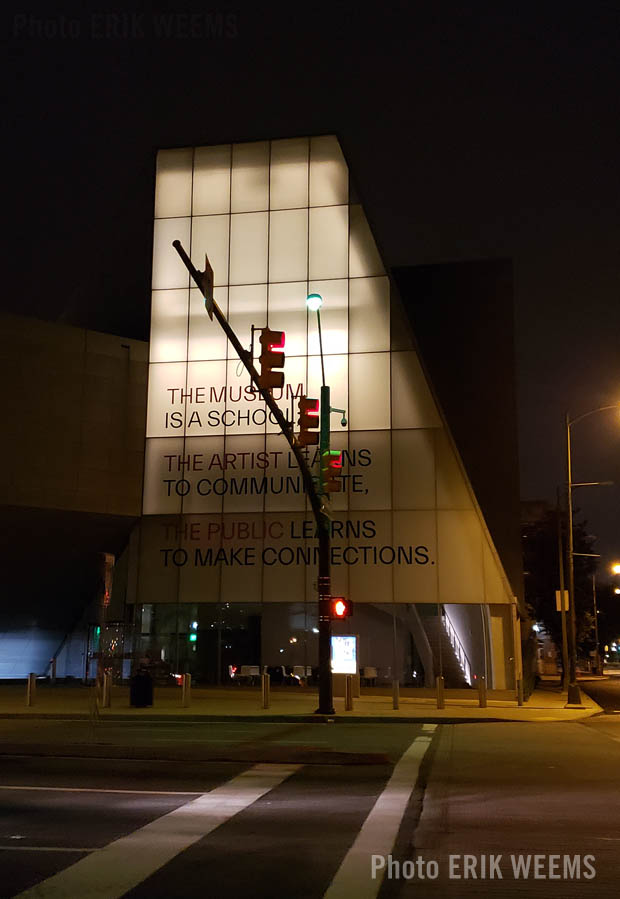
615, 568
574, 696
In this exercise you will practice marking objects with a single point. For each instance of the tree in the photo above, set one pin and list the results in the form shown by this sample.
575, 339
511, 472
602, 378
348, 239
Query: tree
541, 572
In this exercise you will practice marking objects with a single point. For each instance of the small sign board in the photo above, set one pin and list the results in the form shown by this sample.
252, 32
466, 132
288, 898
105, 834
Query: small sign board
344, 654
558, 601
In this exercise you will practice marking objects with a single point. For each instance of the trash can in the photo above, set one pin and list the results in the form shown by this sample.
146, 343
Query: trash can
141, 689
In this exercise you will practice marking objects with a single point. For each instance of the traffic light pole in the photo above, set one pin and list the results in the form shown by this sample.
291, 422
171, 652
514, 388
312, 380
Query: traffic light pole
322, 522
326, 699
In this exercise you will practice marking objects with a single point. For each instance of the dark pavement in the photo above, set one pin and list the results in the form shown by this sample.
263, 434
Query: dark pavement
245, 828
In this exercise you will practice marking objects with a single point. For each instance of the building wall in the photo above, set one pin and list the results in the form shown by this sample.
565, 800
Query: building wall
73, 432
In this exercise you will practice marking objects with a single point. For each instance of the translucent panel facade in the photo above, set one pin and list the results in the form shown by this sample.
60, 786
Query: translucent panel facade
225, 516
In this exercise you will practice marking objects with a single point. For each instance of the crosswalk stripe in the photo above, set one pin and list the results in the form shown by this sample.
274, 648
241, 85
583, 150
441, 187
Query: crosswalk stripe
120, 866
380, 829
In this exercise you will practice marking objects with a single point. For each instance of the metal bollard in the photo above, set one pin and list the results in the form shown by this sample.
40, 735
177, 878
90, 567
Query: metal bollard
31, 688
395, 694
482, 692
106, 690
348, 693
519, 692
264, 682
441, 704
186, 691
53, 672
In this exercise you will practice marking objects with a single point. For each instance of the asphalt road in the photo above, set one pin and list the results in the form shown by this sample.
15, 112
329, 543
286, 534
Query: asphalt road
81, 827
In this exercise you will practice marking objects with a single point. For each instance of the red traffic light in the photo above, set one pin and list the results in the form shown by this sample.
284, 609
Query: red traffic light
340, 607
271, 342
308, 421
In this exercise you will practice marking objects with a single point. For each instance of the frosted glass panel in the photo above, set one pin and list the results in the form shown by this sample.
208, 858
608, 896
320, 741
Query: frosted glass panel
206, 338
328, 242
460, 557
289, 173
369, 315
173, 185
246, 412
248, 248
283, 583
415, 567
452, 492
212, 180
334, 317
250, 177
245, 476
286, 492
496, 589
168, 270
168, 325
288, 245
164, 378
210, 235
287, 312
369, 392
203, 467
364, 256
247, 306
242, 583
160, 496
367, 462
412, 403
329, 176
369, 579
205, 394
413, 459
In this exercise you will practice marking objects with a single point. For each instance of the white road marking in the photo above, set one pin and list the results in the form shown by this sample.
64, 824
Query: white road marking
101, 790
120, 866
380, 829
429, 727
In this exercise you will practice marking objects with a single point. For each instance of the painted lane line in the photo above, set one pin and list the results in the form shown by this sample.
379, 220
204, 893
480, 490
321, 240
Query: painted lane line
429, 728
102, 790
380, 829
120, 866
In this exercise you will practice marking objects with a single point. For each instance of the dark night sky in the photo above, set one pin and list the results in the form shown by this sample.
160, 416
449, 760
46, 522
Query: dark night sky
473, 130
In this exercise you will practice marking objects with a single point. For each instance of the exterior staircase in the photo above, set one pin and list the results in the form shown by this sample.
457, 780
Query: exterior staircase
439, 639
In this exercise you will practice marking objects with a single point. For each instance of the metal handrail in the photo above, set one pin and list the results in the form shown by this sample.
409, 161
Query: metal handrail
458, 647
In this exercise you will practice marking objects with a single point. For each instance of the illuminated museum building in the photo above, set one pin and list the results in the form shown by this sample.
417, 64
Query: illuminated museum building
220, 569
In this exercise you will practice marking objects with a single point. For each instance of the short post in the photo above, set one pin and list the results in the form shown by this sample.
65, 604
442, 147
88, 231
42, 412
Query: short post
106, 690
519, 691
264, 682
348, 693
441, 704
395, 694
186, 691
482, 691
53, 672
31, 688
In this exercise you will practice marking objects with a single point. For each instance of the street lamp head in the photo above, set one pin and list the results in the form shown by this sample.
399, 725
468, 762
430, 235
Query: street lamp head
314, 301
615, 568
617, 591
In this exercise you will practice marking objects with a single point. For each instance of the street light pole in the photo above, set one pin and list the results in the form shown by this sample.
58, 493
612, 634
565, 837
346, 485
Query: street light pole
598, 655
574, 696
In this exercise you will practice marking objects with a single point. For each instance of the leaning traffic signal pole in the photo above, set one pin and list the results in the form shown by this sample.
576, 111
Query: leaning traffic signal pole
322, 522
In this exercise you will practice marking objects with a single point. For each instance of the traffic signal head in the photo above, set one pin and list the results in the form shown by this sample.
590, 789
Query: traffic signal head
339, 607
331, 464
272, 344
308, 421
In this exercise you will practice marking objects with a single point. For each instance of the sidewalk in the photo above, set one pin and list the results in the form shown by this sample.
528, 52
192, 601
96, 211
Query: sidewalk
244, 704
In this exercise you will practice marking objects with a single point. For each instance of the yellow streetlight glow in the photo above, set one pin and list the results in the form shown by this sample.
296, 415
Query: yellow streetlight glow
615, 568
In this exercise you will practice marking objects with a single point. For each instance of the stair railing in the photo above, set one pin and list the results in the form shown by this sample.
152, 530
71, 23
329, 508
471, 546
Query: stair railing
457, 646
